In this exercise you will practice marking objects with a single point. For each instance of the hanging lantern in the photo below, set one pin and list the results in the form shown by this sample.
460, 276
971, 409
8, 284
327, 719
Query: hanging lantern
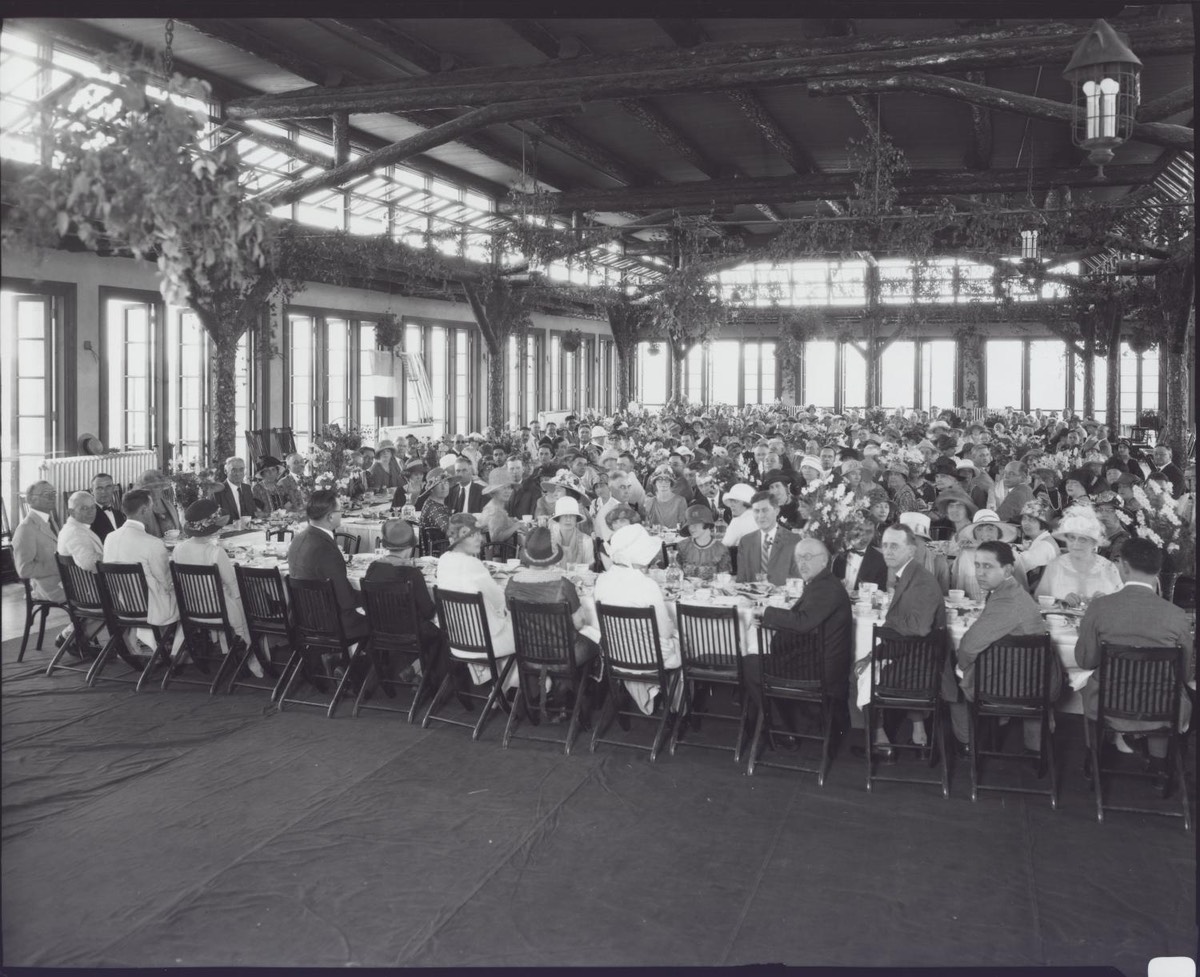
1105, 77
1029, 246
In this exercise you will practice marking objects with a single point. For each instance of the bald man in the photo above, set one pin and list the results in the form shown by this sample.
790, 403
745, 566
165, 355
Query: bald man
77, 539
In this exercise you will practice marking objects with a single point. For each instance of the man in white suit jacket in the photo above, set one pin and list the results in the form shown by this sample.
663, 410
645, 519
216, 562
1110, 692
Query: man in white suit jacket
35, 543
77, 539
132, 544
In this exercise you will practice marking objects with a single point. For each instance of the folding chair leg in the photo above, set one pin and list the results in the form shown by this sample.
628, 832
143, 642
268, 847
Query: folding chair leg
495, 697
741, 736
438, 697
973, 746
1095, 748
664, 725
1181, 784
939, 721
154, 656
756, 741
517, 705
685, 711
292, 676
576, 710
607, 711
827, 732
346, 679
1051, 766
93, 673
42, 629
418, 692
868, 732
58, 654
25, 639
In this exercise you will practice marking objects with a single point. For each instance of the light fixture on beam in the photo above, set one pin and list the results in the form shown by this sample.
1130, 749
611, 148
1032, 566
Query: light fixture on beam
1029, 246
1105, 77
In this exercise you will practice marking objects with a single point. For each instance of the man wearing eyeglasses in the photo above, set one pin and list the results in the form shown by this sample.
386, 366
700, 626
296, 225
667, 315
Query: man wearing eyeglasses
35, 543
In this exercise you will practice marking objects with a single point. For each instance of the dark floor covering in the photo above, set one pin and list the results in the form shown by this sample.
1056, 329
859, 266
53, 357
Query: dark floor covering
171, 828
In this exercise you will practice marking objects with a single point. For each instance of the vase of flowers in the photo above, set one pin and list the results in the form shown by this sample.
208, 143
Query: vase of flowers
829, 511
1157, 520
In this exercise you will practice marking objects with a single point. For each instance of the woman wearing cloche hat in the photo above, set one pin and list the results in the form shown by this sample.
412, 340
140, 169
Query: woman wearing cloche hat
1081, 573
202, 521
700, 554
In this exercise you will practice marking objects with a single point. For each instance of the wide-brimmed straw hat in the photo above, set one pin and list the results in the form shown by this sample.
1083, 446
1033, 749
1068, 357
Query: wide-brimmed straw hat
955, 494
1080, 521
987, 517
461, 525
497, 480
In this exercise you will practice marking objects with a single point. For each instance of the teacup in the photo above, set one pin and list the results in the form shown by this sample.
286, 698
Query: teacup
957, 595
1046, 600
870, 588
723, 579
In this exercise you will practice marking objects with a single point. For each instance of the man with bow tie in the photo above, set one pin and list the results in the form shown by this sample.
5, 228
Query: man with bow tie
108, 514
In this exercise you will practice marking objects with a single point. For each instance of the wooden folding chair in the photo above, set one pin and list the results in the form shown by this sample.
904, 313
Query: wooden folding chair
318, 632
545, 638
906, 675
793, 670
35, 607
395, 633
126, 596
1013, 679
632, 651
85, 607
348, 543
264, 603
710, 654
464, 622
1143, 685
204, 618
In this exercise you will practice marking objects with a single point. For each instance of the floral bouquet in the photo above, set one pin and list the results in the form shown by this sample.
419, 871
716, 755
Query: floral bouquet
191, 484
1157, 520
830, 511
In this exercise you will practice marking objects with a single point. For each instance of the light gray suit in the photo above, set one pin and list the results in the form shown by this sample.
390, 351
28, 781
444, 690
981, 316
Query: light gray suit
35, 545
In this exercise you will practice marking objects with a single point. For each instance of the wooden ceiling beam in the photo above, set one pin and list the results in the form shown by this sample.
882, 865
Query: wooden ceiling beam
422, 141
1166, 105
1156, 133
820, 186
751, 105
654, 73
684, 32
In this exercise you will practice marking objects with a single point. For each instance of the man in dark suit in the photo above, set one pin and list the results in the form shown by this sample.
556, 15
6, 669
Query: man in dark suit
1134, 615
862, 562
108, 514
1163, 463
824, 606
769, 548
399, 539
314, 555
917, 608
236, 498
467, 494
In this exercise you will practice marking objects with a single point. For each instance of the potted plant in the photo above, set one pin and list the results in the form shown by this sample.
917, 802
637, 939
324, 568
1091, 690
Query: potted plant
389, 333
571, 341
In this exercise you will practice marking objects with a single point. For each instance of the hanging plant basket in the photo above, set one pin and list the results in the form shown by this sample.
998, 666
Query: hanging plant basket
572, 341
388, 332
654, 349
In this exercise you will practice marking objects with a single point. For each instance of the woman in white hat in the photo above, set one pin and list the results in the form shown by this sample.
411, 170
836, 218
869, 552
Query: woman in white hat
627, 584
576, 544
460, 569
739, 499
1081, 573
986, 525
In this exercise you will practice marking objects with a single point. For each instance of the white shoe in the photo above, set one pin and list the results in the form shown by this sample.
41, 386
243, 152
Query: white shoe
1122, 746
255, 668
919, 737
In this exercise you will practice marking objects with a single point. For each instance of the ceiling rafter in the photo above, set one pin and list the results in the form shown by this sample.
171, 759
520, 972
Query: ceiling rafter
646, 73
821, 186
979, 155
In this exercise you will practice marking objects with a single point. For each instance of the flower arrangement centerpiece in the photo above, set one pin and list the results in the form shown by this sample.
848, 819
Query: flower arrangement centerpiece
190, 483
830, 511
1157, 520
331, 457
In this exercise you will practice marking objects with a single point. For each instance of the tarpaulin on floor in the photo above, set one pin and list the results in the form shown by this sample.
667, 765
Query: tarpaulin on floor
174, 828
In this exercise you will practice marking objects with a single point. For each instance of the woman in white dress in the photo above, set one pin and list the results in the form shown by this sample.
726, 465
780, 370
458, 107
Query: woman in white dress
460, 569
202, 521
1080, 574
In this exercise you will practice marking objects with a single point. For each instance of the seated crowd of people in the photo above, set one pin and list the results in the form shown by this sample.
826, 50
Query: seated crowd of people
1007, 509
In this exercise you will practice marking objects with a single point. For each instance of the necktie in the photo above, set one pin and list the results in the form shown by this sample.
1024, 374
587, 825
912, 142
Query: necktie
54, 523
237, 502
766, 553
466, 497
891, 580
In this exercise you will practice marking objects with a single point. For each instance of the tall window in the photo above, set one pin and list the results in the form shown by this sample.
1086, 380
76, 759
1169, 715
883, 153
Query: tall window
758, 364
337, 370
854, 378
1047, 375
819, 373
437, 367
368, 382
651, 376
556, 373
514, 381
723, 385
187, 375
27, 417
1139, 383
694, 386
462, 381
412, 344
1003, 372
939, 364
533, 362
897, 374
131, 372
301, 377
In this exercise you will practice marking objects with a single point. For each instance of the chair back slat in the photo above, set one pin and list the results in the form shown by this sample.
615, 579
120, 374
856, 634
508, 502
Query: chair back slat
629, 639
81, 587
710, 638
907, 668
544, 634
391, 610
1140, 684
791, 661
348, 543
199, 594
464, 621
1016, 671
432, 541
126, 592
315, 613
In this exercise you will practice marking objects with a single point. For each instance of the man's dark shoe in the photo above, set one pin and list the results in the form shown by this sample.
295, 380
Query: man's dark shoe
881, 754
